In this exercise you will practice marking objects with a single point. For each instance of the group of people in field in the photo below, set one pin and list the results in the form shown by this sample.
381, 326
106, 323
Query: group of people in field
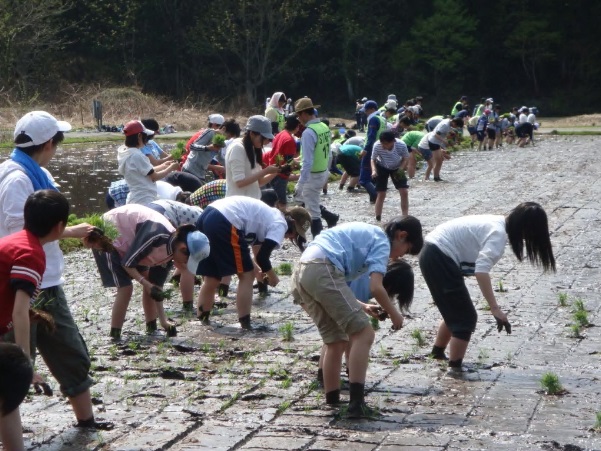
231, 226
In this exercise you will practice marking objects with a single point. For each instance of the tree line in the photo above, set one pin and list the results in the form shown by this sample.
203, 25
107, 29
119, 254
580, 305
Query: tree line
529, 52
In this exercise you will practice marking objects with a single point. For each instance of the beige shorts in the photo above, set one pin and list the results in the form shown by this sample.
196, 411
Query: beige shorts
322, 291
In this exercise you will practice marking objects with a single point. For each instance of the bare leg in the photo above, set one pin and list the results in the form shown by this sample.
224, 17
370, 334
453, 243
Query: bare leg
429, 168
244, 295
120, 306
353, 182
149, 306
360, 344
332, 363
82, 406
186, 285
206, 296
343, 180
411, 165
11, 431
443, 337
404, 192
457, 349
438, 158
380, 203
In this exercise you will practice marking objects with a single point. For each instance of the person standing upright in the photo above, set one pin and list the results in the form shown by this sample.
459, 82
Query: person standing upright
376, 124
315, 158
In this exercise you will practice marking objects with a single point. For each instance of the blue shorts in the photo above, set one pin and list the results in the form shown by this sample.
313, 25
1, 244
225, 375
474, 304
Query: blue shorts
426, 153
230, 252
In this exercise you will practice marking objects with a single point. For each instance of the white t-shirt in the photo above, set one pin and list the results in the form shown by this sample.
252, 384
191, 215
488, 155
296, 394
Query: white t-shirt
258, 220
523, 118
134, 166
15, 188
167, 190
237, 167
476, 242
532, 118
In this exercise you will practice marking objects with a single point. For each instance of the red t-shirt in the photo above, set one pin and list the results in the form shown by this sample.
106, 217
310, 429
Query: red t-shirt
284, 145
22, 258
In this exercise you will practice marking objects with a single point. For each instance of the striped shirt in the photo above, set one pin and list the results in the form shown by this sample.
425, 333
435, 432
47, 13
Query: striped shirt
390, 159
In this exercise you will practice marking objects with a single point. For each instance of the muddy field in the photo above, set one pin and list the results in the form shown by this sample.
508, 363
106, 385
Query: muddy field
216, 387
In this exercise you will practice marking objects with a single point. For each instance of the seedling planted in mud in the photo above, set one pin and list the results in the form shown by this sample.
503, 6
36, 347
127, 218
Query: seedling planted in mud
483, 355
581, 318
550, 383
579, 305
287, 331
563, 299
575, 331
284, 269
284, 406
597, 426
286, 383
418, 336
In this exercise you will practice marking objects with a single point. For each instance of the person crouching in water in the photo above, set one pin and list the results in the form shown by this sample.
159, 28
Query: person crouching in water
334, 258
472, 245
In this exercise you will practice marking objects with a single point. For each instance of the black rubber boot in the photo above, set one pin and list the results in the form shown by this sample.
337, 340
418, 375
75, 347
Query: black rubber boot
330, 218
320, 377
333, 397
151, 326
245, 322
115, 333
203, 316
316, 227
357, 407
438, 353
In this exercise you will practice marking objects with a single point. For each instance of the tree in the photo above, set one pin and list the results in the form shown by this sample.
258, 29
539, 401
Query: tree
254, 39
29, 35
438, 45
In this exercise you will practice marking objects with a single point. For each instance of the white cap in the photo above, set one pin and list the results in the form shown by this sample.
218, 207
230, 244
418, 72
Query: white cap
216, 119
40, 127
390, 104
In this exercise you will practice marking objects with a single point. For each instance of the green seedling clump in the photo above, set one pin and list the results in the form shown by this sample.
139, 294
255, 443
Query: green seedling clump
598, 421
178, 152
287, 331
418, 336
579, 305
581, 318
550, 383
284, 269
563, 299
218, 140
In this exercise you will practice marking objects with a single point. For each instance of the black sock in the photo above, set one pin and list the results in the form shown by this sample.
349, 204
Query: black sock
245, 321
320, 376
438, 353
151, 326
333, 397
115, 333
357, 392
455, 363
202, 315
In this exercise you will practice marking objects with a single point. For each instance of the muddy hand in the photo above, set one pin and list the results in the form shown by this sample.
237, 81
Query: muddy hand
503, 324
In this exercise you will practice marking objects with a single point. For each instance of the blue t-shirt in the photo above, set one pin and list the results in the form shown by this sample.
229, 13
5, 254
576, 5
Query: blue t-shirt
152, 148
355, 248
360, 288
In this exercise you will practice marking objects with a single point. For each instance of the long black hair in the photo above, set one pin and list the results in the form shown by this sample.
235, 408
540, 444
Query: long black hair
399, 281
527, 225
253, 154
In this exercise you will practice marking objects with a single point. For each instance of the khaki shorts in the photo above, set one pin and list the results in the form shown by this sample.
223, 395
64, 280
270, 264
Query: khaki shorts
322, 291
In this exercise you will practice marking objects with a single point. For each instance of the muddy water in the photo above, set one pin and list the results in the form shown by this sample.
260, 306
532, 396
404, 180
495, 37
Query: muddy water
84, 173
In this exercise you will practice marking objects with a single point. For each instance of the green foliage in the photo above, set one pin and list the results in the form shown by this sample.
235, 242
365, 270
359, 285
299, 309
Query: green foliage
418, 336
96, 220
284, 269
550, 383
579, 305
597, 421
218, 140
581, 318
178, 152
287, 331
563, 299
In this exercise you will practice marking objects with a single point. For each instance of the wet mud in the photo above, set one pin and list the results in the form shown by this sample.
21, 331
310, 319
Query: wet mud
218, 387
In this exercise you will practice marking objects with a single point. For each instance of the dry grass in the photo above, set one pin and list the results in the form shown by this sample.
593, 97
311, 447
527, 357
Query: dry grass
120, 105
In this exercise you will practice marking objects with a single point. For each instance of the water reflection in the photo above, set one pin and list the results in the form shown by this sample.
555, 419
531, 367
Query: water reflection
84, 172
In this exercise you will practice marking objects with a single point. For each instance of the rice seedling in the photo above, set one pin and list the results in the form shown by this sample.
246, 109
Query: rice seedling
550, 383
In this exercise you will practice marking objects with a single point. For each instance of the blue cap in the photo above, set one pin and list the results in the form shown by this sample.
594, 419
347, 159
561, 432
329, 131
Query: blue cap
199, 248
370, 104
